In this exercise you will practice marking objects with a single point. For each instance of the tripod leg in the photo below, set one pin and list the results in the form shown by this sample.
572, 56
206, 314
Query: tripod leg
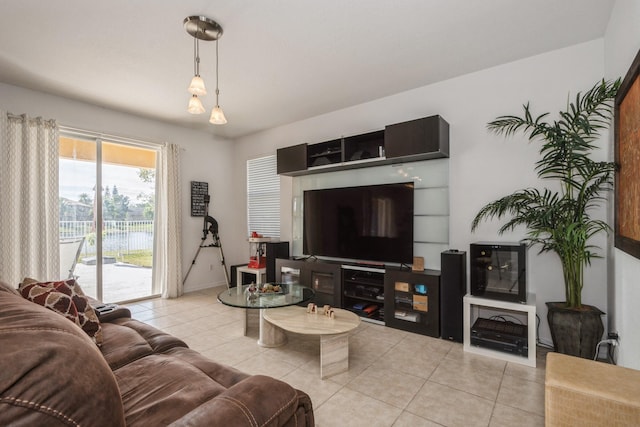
218, 243
192, 263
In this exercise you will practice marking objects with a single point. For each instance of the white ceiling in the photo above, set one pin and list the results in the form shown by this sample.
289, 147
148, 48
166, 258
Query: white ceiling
280, 60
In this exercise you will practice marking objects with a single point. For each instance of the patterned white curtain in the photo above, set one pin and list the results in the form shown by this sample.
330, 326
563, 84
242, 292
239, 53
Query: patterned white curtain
168, 251
28, 198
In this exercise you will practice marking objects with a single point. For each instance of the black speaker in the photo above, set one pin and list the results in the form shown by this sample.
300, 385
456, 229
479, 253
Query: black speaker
275, 250
453, 287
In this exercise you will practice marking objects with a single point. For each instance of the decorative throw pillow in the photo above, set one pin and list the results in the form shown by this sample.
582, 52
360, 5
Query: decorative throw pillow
66, 298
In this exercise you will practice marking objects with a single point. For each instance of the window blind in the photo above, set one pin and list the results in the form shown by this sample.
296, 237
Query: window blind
263, 197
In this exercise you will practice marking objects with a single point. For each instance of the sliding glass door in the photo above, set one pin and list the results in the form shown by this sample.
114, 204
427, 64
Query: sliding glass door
107, 201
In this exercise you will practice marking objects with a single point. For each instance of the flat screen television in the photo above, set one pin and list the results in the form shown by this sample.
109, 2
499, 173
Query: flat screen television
368, 223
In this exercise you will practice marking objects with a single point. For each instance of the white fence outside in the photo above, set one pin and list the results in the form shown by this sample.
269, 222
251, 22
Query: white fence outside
118, 236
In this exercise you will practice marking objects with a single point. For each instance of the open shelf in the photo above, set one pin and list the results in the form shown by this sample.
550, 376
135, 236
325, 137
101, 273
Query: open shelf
413, 301
472, 306
360, 287
324, 153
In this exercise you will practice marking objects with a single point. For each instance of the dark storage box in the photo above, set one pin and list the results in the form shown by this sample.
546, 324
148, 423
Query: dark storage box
498, 271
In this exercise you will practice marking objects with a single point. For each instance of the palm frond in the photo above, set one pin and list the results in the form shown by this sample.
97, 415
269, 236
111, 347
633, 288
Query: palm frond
560, 221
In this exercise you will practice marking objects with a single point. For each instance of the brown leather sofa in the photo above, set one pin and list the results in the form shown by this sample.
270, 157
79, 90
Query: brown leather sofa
51, 373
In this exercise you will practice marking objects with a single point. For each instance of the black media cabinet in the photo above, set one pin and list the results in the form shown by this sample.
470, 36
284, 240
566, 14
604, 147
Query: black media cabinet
392, 296
412, 299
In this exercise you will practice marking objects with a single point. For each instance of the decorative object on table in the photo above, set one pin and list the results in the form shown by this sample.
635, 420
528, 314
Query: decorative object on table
418, 263
257, 244
251, 292
402, 286
627, 152
312, 308
328, 311
271, 289
560, 221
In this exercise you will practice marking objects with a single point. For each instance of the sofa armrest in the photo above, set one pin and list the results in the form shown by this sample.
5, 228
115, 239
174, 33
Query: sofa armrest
255, 401
585, 392
109, 312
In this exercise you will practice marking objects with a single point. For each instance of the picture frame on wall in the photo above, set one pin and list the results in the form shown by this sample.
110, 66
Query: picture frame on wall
199, 191
627, 156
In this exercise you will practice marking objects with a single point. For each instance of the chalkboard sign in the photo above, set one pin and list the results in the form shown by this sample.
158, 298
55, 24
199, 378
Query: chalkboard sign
198, 192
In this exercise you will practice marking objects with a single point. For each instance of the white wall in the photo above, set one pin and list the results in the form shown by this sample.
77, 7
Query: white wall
622, 43
204, 158
483, 167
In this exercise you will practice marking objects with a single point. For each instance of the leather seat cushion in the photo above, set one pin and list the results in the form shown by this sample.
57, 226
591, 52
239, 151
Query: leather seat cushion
126, 340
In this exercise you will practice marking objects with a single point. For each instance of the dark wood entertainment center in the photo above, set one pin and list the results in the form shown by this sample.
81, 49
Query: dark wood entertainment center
406, 299
391, 295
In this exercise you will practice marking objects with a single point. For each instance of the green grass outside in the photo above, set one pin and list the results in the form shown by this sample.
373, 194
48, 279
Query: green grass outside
142, 258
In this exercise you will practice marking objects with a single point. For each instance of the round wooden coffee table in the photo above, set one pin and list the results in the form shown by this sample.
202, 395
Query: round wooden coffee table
333, 332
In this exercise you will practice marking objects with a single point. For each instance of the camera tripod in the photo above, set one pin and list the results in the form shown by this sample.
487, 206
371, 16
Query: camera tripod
210, 225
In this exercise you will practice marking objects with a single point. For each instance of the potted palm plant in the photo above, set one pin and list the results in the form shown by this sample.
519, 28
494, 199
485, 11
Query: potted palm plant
558, 219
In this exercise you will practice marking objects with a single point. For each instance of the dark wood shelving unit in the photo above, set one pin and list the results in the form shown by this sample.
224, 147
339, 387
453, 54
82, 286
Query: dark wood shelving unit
360, 288
421, 139
412, 301
369, 146
324, 153
355, 287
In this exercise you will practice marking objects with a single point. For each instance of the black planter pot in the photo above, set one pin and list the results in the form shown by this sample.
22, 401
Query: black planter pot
575, 332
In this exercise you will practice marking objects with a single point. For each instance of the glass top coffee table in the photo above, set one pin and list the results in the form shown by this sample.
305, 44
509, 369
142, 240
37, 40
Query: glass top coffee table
289, 294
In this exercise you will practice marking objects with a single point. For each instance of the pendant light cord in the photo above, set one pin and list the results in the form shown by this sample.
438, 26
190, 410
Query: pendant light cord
196, 56
217, 90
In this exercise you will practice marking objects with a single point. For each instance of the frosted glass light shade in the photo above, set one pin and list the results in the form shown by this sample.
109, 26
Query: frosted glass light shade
217, 116
197, 86
195, 105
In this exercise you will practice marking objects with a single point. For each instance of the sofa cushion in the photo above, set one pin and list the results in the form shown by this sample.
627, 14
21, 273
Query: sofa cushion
65, 297
256, 401
127, 340
151, 366
236, 398
52, 373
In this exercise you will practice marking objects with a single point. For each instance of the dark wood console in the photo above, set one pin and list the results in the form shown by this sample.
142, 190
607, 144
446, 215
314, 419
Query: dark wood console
398, 298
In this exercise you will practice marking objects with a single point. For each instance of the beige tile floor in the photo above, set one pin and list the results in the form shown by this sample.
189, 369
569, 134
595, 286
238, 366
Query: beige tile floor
395, 378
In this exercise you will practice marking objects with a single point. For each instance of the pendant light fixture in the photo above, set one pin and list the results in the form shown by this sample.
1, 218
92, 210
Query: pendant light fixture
203, 28
217, 115
197, 87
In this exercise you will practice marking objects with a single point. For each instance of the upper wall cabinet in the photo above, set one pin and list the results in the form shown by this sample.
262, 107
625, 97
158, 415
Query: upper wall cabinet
420, 139
291, 159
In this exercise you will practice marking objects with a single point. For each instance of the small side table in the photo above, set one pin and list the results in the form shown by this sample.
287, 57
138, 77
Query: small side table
260, 273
